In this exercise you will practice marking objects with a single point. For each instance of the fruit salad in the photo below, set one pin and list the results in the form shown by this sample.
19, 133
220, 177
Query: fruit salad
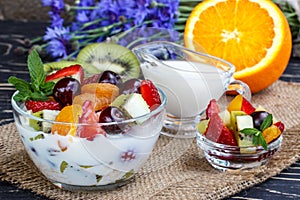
240, 136
83, 130
241, 124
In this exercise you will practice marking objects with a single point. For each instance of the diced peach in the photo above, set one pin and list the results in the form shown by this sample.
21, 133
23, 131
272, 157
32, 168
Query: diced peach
271, 133
236, 103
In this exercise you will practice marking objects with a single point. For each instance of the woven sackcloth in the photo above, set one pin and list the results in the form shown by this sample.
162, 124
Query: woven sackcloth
177, 168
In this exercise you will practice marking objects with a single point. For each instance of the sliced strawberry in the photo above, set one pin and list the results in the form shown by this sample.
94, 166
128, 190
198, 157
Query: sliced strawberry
36, 106
89, 120
247, 107
150, 94
280, 125
74, 71
212, 108
217, 131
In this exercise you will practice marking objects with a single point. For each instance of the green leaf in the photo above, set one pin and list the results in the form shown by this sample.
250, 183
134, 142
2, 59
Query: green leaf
37, 89
263, 142
250, 131
47, 88
19, 84
267, 122
36, 70
20, 97
255, 140
38, 96
258, 138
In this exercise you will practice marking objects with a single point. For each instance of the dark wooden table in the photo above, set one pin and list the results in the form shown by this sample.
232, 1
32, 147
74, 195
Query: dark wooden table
12, 34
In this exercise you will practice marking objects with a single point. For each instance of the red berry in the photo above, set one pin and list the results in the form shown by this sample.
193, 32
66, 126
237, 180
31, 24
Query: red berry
150, 94
36, 106
74, 71
212, 108
280, 125
217, 131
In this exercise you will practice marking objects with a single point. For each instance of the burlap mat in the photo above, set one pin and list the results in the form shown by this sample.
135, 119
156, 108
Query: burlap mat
177, 168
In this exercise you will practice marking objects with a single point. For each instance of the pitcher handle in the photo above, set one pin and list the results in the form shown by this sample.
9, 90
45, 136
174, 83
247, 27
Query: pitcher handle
237, 86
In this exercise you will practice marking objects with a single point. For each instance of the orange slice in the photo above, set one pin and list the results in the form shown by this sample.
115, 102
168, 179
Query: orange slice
68, 114
254, 35
101, 90
97, 103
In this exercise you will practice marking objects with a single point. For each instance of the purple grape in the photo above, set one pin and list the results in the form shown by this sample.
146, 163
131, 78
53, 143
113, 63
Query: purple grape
130, 86
112, 114
65, 90
110, 77
258, 118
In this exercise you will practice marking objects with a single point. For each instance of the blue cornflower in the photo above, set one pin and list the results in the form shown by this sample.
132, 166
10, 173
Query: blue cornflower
57, 32
58, 41
56, 5
82, 17
56, 19
95, 20
57, 48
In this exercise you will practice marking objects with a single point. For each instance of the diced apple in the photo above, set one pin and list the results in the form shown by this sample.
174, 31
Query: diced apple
244, 121
225, 116
247, 107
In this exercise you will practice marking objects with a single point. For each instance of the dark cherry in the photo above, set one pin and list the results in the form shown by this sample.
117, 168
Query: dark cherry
65, 90
112, 114
130, 86
258, 118
110, 77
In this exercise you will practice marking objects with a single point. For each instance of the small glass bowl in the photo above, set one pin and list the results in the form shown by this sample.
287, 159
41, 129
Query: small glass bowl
77, 163
226, 157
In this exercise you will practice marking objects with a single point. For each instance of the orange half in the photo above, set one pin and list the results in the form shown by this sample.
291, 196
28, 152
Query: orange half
254, 35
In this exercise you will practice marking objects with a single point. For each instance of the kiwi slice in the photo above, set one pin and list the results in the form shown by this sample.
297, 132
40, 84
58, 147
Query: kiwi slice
40, 125
113, 57
52, 67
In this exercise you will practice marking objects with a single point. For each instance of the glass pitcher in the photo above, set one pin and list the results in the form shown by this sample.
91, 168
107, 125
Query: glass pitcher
189, 79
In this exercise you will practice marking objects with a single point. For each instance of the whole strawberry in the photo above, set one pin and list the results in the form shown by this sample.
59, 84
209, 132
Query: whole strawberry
150, 94
36, 106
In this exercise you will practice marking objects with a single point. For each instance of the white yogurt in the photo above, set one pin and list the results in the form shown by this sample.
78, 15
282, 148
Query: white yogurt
189, 86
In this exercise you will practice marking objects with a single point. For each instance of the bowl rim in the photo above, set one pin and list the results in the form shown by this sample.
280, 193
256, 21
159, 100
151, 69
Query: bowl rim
201, 138
16, 108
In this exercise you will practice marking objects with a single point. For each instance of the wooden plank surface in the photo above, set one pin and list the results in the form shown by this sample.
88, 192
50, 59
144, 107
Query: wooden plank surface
12, 33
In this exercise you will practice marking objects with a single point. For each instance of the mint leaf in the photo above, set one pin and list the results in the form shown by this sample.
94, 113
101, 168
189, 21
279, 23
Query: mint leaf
47, 88
19, 84
258, 138
37, 89
250, 131
263, 142
267, 122
20, 97
36, 70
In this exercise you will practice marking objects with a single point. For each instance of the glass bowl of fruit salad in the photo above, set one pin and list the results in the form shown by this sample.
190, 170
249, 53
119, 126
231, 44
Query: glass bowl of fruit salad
86, 133
240, 136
